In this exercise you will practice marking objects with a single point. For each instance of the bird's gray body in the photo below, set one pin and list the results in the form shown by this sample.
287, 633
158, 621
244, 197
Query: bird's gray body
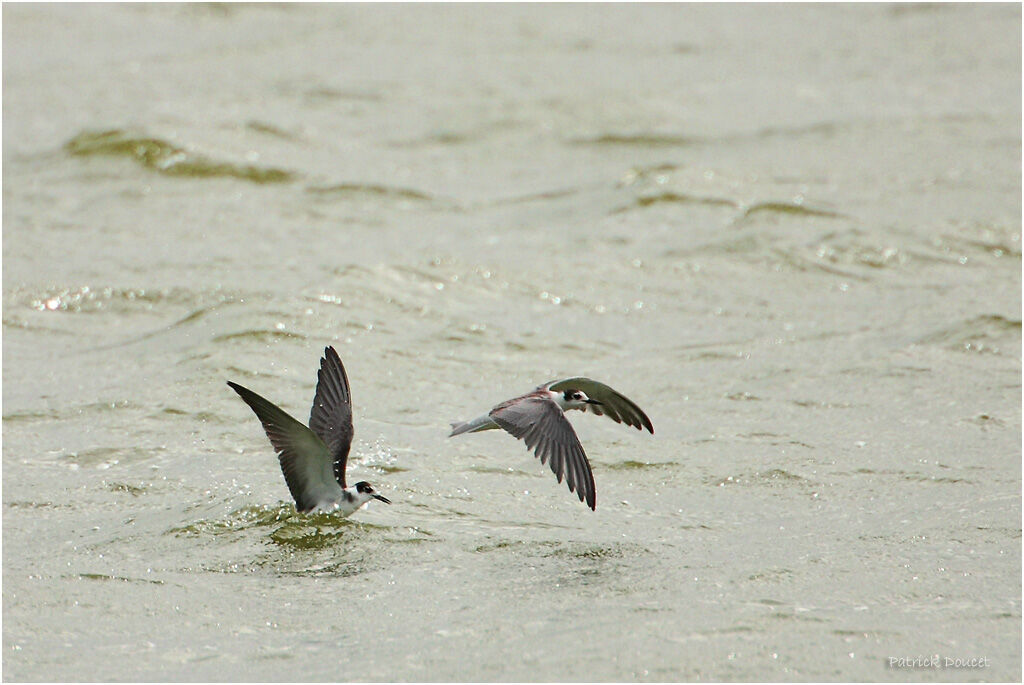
313, 459
538, 418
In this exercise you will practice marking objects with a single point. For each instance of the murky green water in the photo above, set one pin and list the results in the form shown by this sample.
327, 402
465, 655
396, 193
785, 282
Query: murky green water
791, 234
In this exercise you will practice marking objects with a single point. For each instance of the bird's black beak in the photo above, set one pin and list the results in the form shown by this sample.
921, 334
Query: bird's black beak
382, 498
589, 401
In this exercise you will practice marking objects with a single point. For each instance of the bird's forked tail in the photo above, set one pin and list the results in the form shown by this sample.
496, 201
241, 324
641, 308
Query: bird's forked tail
481, 423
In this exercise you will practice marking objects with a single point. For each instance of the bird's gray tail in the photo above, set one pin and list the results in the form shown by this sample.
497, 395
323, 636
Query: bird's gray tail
480, 423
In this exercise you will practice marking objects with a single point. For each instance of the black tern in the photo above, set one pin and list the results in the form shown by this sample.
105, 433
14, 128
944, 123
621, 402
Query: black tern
313, 459
538, 418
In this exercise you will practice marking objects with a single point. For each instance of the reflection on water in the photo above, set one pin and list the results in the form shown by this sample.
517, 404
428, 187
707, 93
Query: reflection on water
162, 157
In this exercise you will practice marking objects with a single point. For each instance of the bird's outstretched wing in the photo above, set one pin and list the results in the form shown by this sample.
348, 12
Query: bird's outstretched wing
304, 457
331, 416
615, 405
542, 425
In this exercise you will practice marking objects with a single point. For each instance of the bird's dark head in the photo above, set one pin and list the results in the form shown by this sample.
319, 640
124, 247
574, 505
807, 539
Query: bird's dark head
367, 492
578, 396
577, 399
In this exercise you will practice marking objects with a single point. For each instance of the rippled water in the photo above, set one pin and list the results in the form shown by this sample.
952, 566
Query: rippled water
791, 234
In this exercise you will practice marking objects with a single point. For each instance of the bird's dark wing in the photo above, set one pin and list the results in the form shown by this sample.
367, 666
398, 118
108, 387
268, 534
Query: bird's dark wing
304, 458
616, 406
542, 425
331, 416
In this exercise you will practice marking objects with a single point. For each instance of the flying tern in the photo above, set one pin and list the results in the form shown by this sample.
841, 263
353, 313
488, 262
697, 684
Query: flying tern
538, 418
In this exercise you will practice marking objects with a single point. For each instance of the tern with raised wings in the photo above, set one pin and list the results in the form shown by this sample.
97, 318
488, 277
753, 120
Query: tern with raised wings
313, 459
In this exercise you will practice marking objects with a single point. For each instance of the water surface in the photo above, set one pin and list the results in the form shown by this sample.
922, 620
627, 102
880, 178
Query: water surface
790, 233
